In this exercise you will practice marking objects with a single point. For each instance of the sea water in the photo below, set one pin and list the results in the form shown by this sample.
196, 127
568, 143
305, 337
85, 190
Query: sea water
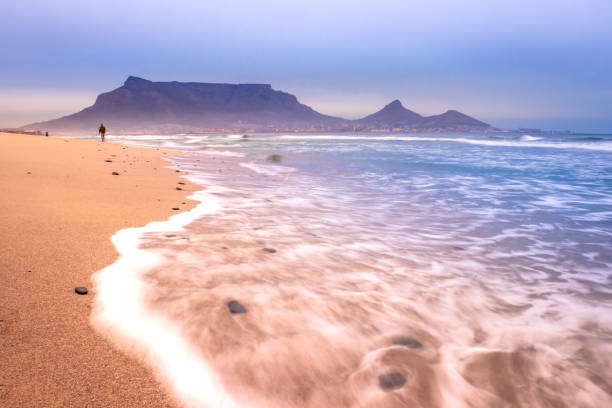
376, 270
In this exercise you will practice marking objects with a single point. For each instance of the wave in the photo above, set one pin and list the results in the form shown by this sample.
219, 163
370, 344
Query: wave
601, 146
268, 170
529, 138
120, 312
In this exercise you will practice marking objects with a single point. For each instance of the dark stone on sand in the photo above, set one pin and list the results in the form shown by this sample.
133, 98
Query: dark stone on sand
108, 161
81, 290
115, 173
270, 250
175, 208
235, 307
178, 188
180, 182
29, 172
408, 342
177, 171
391, 381
275, 158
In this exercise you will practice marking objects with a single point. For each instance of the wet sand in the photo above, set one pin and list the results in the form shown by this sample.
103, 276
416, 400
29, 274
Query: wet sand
59, 206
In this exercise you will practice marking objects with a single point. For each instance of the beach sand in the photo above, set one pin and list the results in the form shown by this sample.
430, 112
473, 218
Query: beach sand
59, 206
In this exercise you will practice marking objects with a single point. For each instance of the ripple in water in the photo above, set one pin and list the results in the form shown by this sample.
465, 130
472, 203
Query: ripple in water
368, 299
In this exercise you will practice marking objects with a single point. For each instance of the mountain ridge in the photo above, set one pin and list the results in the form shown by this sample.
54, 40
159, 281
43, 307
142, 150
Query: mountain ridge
141, 106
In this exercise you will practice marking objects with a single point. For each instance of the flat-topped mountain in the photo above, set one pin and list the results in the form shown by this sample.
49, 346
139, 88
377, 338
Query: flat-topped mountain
142, 106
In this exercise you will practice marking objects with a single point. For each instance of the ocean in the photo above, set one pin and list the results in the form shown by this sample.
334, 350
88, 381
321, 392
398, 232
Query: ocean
374, 270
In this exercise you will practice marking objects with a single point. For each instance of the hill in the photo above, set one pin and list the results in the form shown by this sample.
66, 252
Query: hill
142, 106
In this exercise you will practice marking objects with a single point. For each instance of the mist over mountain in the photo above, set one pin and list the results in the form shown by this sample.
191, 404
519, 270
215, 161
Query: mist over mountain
142, 106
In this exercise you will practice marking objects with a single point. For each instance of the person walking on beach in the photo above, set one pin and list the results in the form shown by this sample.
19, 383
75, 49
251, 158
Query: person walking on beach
102, 131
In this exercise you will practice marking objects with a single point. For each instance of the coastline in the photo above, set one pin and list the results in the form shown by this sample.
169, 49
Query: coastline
61, 204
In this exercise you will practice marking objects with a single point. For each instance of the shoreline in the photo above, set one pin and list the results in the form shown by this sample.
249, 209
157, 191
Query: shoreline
61, 205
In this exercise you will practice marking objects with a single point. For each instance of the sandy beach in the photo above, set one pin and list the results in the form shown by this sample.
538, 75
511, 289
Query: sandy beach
60, 205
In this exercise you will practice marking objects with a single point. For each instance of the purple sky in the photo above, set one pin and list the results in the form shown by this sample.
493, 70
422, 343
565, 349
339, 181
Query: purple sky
535, 63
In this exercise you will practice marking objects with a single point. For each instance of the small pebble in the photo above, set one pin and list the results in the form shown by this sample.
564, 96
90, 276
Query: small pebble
235, 307
81, 290
391, 381
108, 161
178, 188
29, 172
408, 342
175, 208
180, 182
270, 250
114, 173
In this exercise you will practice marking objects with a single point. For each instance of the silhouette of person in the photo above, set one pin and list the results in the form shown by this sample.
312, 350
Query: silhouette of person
102, 131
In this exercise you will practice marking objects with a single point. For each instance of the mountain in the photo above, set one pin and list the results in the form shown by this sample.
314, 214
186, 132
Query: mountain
145, 106
395, 116
452, 119
142, 106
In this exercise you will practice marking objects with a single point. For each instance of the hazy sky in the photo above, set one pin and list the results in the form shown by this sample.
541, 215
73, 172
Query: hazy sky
535, 63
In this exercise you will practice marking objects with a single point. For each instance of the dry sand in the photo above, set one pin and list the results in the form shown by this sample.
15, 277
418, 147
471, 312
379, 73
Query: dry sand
59, 206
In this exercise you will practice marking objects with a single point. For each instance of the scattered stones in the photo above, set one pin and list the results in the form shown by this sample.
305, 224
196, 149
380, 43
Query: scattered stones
391, 381
81, 290
178, 188
275, 158
108, 161
235, 307
114, 173
408, 342
175, 208
270, 250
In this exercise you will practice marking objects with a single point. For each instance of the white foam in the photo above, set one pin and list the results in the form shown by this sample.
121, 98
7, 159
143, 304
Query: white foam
268, 170
120, 312
226, 153
602, 146
529, 138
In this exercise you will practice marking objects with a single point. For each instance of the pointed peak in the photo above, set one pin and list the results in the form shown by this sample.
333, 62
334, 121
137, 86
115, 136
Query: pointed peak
395, 104
133, 80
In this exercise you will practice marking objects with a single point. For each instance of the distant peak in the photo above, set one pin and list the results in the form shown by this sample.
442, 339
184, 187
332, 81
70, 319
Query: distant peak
394, 104
132, 80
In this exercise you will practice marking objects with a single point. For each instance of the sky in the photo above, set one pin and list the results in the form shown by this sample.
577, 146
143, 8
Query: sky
537, 63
